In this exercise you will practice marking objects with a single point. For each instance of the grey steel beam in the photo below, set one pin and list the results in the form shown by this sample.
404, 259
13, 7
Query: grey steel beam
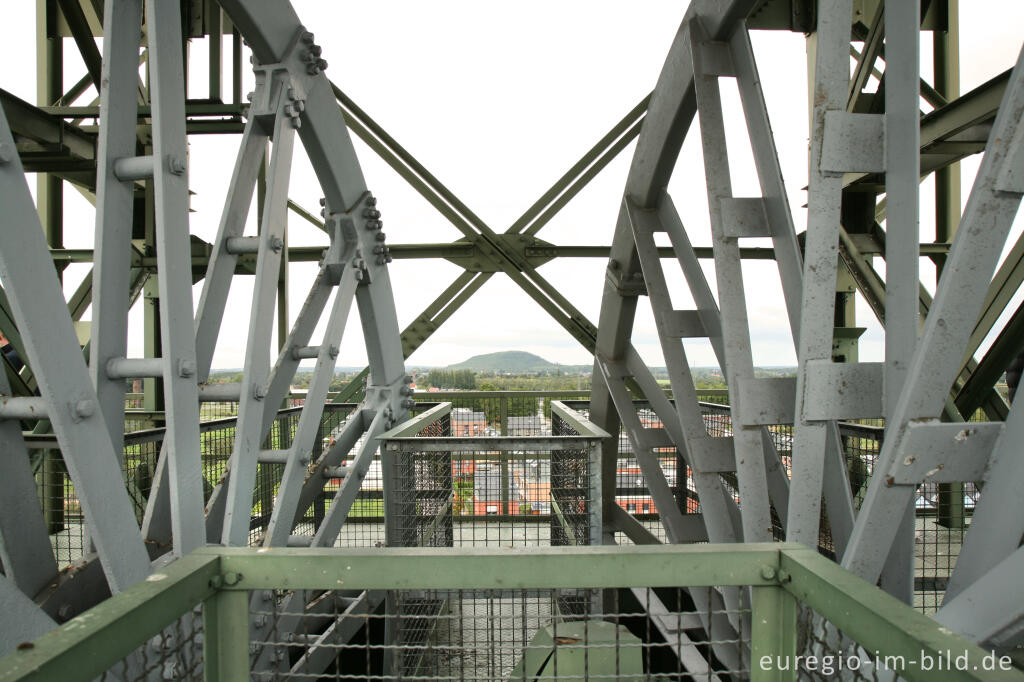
982, 612
52, 346
738, 366
972, 260
902, 172
998, 522
114, 206
171, 203
25, 551
23, 621
249, 434
308, 429
811, 438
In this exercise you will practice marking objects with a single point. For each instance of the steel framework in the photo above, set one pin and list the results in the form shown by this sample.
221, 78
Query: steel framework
134, 165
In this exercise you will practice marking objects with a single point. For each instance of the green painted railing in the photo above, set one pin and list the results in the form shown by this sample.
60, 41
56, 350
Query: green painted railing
782, 578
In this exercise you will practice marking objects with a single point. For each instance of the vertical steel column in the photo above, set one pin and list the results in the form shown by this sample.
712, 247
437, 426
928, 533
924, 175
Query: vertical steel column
49, 89
946, 69
810, 438
114, 208
994, 201
41, 312
902, 176
50, 206
249, 434
226, 636
174, 273
738, 367
773, 636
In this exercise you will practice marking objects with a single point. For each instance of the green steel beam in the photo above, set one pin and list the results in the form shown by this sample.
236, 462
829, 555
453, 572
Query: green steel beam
627, 129
226, 636
981, 382
82, 33
413, 426
773, 633
780, 574
439, 568
878, 621
87, 645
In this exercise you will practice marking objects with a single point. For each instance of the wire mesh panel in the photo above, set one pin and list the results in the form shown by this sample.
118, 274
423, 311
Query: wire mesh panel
572, 483
174, 654
63, 513
518, 635
490, 490
828, 653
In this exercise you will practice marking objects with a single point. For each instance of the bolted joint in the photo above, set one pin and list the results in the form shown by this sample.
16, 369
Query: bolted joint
176, 165
186, 368
407, 379
259, 392
768, 573
83, 409
371, 213
306, 37
408, 403
380, 236
406, 390
333, 351
374, 224
276, 244
231, 578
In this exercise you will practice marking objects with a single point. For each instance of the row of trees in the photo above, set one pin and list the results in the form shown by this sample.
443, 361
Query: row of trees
462, 379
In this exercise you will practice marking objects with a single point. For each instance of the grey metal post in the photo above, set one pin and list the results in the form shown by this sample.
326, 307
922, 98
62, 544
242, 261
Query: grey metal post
902, 175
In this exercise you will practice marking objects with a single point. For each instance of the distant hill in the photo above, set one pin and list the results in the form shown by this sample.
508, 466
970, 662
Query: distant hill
514, 361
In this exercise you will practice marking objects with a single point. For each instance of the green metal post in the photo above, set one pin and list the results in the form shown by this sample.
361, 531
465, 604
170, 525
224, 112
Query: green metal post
505, 481
152, 388
216, 63
946, 60
773, 635
226, 636
506, 484
50, 203
283, 326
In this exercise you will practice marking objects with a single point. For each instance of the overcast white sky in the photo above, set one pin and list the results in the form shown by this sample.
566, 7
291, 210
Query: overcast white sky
498, 101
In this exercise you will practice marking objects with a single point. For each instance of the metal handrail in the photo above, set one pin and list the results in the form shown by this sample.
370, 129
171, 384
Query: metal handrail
781, 577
